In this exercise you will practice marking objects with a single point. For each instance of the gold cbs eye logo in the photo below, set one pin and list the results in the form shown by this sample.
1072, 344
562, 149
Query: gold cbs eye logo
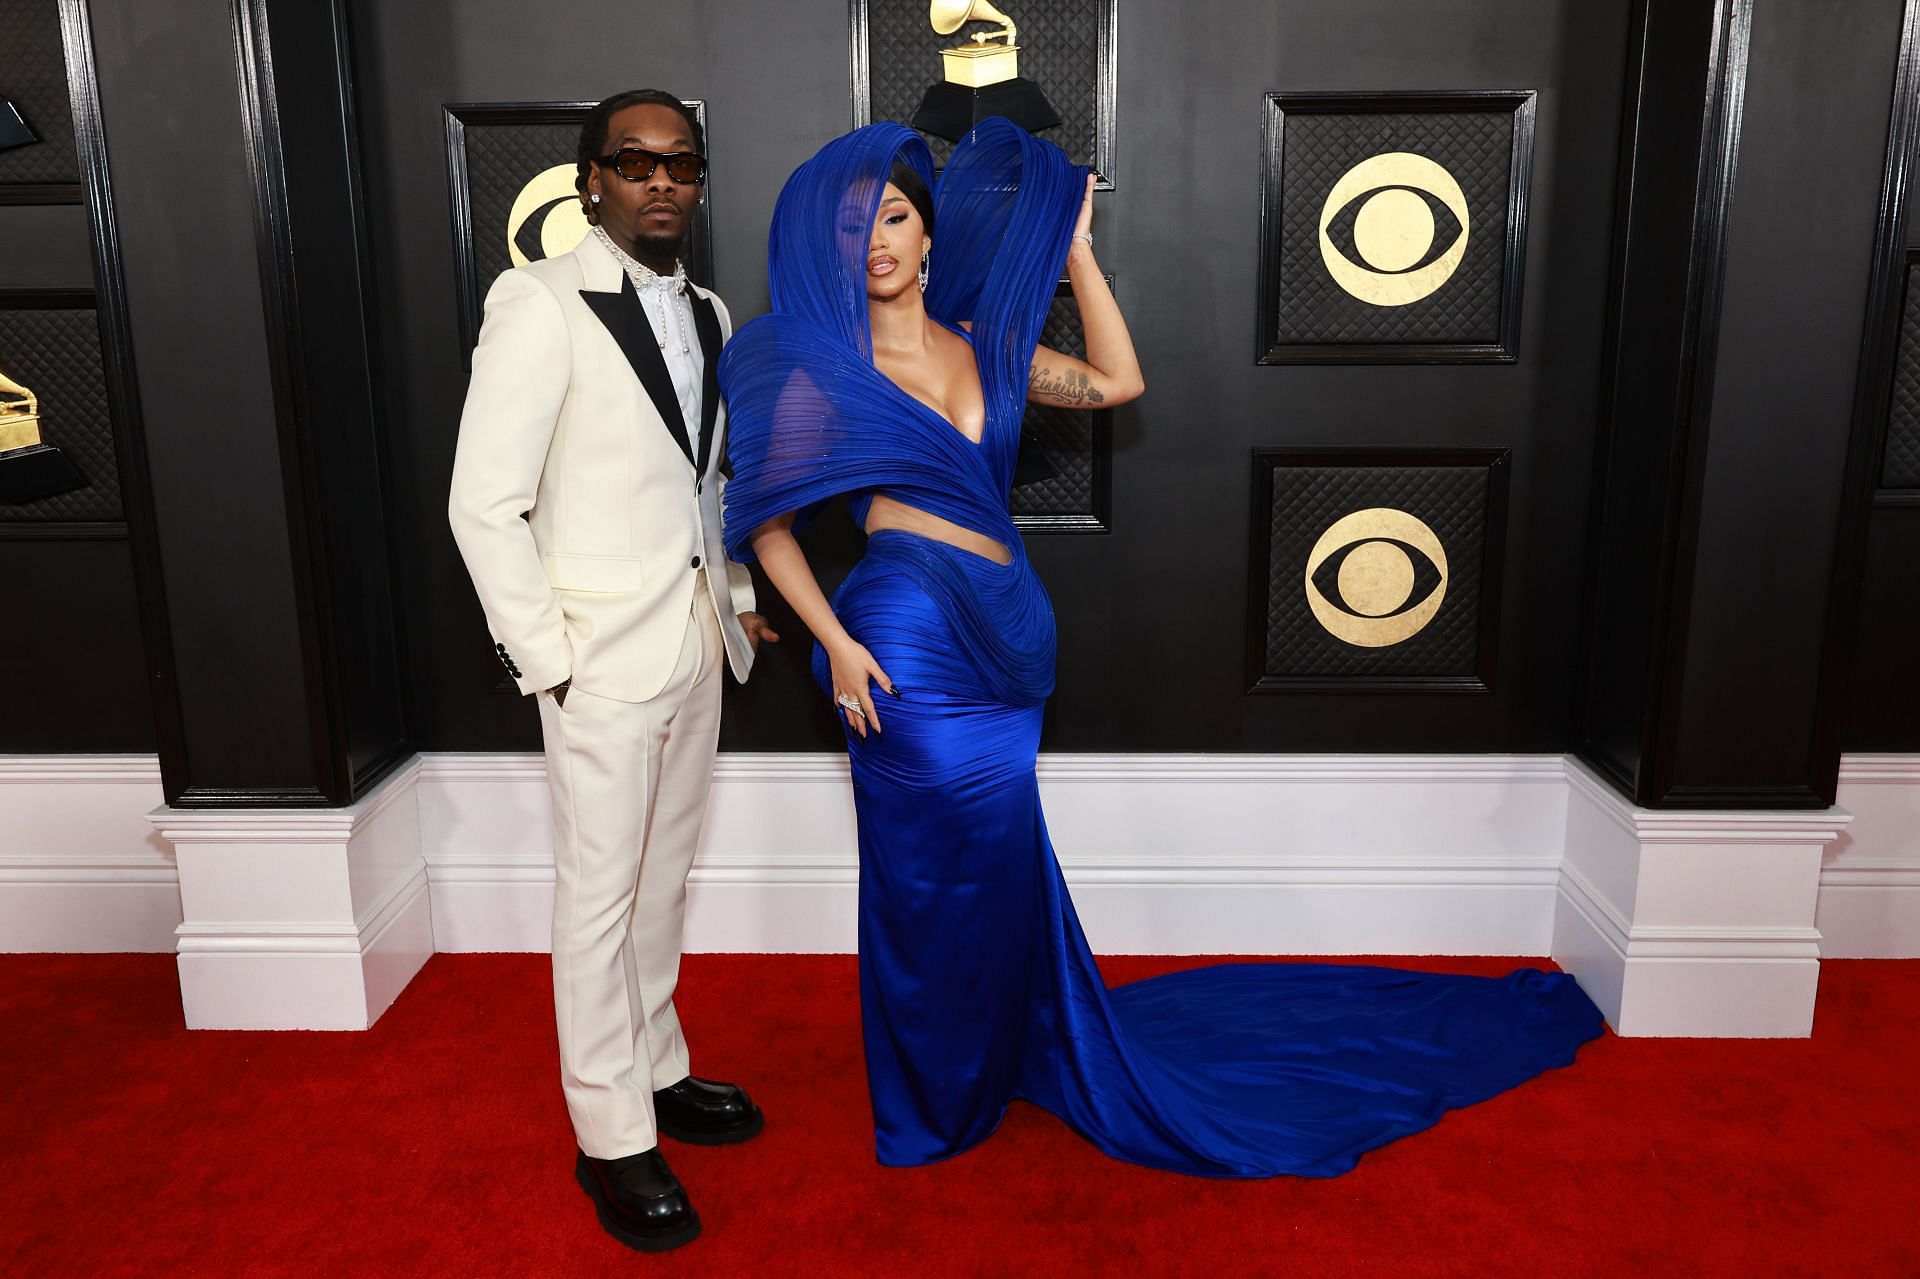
546, 219
1376, 577
1393, 228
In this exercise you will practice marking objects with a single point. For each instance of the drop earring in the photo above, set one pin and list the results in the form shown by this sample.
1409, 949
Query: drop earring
925, 258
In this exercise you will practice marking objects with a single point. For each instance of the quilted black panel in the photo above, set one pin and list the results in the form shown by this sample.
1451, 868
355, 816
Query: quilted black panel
1317, 150
1450, 500
55, 353
1074, 441
33, 75
501, 159
1901, 469
1059, 51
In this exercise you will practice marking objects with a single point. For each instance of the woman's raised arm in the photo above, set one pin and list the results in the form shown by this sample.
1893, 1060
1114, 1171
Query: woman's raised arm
1110, 374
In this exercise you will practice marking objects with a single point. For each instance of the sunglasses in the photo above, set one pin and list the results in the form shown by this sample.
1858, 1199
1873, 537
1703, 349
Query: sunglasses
637, 164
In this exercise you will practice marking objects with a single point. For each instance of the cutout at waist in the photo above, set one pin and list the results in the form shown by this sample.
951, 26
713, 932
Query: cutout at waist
886, 512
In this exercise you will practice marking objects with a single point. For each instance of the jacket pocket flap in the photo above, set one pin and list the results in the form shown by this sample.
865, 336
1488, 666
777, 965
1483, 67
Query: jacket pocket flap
610, 573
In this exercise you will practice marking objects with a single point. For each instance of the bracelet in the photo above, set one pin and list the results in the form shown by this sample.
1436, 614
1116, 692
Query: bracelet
1087, 238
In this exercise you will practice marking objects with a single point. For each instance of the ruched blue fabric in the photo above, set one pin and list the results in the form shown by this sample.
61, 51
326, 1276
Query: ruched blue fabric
976, 983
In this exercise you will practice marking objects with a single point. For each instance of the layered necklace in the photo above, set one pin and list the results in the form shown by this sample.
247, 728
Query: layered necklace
649, 283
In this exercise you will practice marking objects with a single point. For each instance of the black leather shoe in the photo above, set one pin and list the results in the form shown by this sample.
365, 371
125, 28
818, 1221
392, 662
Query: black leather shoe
702, 1112
639, 1200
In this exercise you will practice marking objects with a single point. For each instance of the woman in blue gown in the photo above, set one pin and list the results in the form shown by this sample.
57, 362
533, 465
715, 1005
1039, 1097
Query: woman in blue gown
976, 983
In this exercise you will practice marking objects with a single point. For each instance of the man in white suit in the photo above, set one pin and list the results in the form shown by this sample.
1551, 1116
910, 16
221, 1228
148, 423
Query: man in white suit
586, 503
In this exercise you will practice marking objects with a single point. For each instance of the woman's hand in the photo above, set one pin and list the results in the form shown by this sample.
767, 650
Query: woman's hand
1084, 224
854, 674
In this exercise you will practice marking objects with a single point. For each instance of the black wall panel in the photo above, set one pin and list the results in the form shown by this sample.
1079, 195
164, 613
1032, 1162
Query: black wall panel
1883, 684
322, 332
71, 636
70, 645
1152, 615
1670, 205
1885, 705
33, 76
1153, 612
1799, 248
206, 391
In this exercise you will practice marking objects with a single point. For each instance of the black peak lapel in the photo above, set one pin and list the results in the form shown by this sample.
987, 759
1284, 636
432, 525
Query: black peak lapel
707, 324
627, 321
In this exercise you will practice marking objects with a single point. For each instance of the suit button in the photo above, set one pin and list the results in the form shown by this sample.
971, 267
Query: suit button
696, 562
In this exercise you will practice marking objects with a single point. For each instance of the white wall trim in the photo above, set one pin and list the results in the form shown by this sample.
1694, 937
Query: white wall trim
1658, 941
1868, 768
80, 869
1870, 882
310, 919
58, 770
1473, 871
1692, 923
1170, 853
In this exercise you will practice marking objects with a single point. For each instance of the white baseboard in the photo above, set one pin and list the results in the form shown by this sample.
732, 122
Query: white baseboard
1870, 883
1179, 854
1675, 922
300, 919
1691, 923
80, 867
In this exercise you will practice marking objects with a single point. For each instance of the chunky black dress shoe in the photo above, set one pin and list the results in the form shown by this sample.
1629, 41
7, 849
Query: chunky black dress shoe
639, 1200
702, 1112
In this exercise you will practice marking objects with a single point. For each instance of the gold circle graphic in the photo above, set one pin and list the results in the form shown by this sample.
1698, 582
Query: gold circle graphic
562, 226
1393, 229
1379, 575
1376, 579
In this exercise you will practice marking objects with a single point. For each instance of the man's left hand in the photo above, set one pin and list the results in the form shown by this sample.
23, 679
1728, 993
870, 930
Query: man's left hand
757, 629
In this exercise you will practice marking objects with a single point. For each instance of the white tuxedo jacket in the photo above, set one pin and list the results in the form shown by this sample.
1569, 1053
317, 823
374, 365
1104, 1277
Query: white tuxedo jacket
580, 509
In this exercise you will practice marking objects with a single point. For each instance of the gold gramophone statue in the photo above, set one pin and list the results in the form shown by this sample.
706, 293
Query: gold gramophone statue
982, 77
29, 469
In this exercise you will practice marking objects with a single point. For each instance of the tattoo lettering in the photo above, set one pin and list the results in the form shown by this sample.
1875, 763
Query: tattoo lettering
1069, 387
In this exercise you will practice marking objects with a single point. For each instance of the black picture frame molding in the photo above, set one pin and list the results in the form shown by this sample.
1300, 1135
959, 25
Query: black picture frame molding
1505, 349
1497, 461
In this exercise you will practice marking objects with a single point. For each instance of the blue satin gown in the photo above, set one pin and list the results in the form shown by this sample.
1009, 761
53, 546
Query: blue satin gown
976, 983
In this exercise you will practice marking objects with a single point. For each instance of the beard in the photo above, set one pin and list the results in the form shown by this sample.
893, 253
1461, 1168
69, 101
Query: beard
660, 244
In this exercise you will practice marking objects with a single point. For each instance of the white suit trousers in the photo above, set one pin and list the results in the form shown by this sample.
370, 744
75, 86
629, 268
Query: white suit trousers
629, 783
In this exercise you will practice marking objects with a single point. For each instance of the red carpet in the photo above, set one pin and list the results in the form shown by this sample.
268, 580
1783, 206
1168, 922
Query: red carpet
436, 1144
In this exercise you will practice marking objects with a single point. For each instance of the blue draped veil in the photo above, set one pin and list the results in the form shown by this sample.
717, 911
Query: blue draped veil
809, 417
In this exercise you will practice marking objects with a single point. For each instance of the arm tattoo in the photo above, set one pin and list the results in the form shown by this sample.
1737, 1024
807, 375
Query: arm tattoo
1069, 387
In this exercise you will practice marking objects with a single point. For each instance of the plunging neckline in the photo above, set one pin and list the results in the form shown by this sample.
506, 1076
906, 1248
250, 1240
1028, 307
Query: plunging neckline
986, 414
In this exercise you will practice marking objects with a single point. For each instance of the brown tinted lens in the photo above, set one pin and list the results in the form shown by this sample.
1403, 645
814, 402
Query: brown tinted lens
633, 164
686, 167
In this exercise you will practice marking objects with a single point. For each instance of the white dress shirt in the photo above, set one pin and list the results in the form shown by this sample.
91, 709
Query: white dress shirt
669, 306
